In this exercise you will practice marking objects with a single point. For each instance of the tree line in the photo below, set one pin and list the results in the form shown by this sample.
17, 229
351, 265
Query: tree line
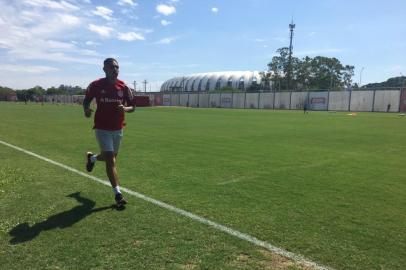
38, 91
318, 73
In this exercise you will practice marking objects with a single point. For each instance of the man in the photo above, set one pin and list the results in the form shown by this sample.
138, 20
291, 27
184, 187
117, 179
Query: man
113, 99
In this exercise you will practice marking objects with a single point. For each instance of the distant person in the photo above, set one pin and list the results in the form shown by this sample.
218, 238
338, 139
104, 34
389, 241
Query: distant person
305, 108
388, 108
113, 99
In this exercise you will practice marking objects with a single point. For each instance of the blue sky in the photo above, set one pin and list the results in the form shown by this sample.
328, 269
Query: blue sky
53, 42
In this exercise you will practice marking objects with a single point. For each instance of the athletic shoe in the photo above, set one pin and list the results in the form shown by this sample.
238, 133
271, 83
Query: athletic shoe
120, 200
89, 163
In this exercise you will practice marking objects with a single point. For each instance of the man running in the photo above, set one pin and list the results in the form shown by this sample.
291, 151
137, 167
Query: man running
113, 99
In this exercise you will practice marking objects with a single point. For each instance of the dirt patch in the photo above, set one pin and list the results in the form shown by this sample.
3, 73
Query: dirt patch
265, 260
275, 261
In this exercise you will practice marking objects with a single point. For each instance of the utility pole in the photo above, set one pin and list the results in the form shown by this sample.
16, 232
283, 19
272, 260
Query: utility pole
145, 85
360, 77
289, 73
135, 86
183, 84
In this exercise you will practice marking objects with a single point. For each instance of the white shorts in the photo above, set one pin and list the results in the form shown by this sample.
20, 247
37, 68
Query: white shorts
109, 141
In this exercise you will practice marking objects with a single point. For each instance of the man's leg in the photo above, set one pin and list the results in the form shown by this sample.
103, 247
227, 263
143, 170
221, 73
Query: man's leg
111, 170
109, 142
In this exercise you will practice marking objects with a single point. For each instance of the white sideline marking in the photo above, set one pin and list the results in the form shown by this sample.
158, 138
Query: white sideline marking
243, 236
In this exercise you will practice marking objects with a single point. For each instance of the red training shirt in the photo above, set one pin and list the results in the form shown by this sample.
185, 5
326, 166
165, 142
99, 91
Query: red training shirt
108, 98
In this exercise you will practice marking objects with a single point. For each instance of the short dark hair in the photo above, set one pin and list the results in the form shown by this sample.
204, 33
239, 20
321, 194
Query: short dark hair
109, 60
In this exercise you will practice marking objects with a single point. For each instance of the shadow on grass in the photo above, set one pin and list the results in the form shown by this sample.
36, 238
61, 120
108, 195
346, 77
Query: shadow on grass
23, 232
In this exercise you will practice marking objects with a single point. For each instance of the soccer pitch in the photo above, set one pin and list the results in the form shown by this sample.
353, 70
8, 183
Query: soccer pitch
328, 186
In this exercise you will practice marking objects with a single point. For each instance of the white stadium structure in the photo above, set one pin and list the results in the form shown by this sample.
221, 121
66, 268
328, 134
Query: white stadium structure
203, 82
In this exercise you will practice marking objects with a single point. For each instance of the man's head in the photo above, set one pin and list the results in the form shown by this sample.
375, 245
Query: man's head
111, 68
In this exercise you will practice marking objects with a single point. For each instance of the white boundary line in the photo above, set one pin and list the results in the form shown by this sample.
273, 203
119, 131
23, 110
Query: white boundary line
243, 236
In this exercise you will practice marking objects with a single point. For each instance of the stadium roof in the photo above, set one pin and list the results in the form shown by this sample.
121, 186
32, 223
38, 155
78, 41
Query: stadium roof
212, 80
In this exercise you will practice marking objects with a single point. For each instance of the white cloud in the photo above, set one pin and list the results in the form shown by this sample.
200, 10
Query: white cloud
37, 52
214, 10
165, 22
311, 34
129, 13
126, 2
165, 41
89, 53
103, 12
91, 43
62, 5
165, 9
26, 69
52, 44
69, 19
103, 31
130, 36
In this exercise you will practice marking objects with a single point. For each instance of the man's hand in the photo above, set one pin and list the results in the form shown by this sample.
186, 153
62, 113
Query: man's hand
88, 112
122, 108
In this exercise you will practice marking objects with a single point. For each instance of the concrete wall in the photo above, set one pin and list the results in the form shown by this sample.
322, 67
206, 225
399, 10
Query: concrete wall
204, 100
282, 100
385, 100
367, 100
166, 100
298, 100
193, 100
318, 101
251, 101
226, 100
238, 100
339, 101
361, 101
183, 100
402, 104
174, 99
214, 100
266, 100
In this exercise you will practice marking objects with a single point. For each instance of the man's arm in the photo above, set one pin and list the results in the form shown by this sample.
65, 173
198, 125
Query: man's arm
129, 101
86, 106
87, 101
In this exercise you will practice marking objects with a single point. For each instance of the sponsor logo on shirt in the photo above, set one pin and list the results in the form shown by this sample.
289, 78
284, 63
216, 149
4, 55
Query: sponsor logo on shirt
110, 100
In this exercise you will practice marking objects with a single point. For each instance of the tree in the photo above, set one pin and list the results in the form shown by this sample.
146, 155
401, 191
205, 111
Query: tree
279, 67
54, 91
5, 92
348, 73
308, 73
391, 82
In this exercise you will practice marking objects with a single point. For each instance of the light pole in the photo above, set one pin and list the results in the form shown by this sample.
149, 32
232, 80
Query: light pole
360, 76
145, 85
331, 80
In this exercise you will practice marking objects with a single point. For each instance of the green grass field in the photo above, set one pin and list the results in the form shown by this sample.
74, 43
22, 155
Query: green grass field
328, 186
